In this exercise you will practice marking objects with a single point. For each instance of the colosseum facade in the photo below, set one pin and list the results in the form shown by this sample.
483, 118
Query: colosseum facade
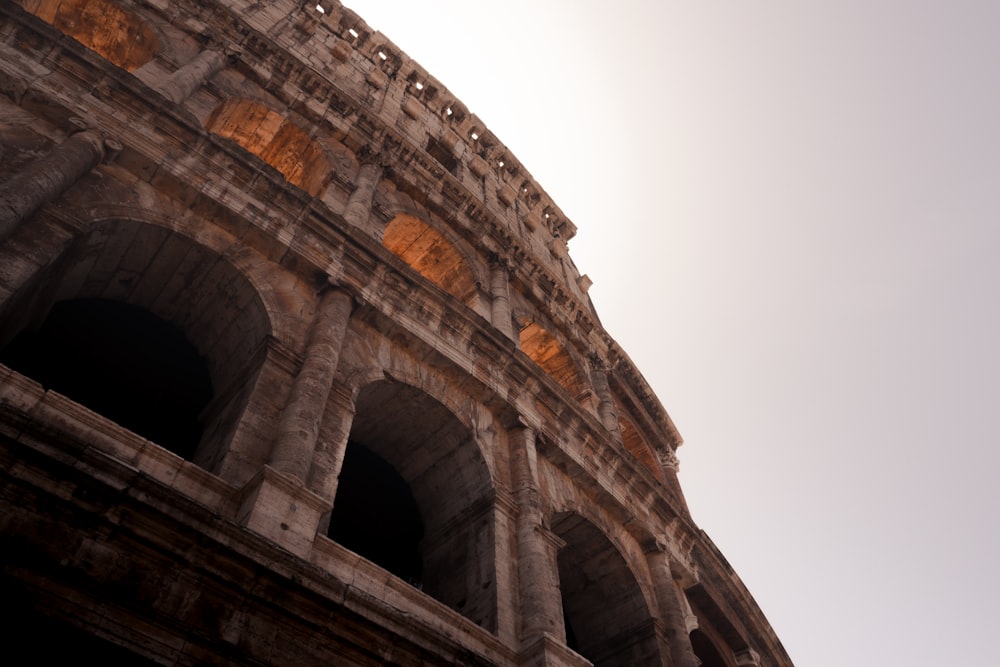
297, 370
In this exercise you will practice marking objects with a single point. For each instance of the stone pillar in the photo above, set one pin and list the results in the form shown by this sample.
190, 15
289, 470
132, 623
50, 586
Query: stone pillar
324, 474
505, 550
541, 603
670, 465
48, 177
28, 252
192, 75
605, 402
500, 312
359, 205
298, 428
671, 613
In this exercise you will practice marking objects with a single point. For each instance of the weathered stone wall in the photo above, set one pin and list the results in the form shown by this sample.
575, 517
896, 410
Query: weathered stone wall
382, 298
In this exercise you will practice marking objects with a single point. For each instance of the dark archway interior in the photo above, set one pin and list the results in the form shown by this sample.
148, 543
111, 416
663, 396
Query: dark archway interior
571, 640
375, 515
605, 614
705, 650
414, 482
123, 362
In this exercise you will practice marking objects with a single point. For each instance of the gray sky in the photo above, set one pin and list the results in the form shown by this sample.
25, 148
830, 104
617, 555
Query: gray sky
791, 214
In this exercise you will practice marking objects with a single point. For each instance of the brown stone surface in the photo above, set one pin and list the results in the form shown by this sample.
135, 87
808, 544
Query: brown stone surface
418, 445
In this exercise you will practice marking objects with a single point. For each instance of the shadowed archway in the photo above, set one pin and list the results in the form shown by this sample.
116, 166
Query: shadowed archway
607, 620
415, 497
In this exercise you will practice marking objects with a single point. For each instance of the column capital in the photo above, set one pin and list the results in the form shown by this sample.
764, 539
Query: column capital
747, 658
498, 262
598, 363
87, 130
655, 546
668, 458
372, 155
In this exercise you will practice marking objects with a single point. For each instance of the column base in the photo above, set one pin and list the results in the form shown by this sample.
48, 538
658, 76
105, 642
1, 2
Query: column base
278, 507
547, 651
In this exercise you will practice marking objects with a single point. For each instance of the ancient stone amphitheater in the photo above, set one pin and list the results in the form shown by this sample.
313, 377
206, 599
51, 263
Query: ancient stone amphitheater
297, 369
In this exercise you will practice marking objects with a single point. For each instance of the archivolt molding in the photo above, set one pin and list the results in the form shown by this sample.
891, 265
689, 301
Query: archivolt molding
370, 357
282, 299
624, 543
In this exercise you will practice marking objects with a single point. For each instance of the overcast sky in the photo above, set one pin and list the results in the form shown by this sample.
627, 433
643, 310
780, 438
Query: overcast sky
791, 214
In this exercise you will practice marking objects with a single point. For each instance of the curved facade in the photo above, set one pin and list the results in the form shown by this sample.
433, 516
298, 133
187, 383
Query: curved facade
297, 369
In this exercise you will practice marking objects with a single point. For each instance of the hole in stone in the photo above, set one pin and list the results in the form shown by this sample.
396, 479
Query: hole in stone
353, 33
382, 56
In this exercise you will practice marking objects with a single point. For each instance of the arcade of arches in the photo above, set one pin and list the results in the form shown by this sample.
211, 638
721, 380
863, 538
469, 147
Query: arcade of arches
184, 352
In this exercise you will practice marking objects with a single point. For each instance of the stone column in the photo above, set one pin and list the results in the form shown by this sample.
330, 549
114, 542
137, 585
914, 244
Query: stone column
671, 614
500, 313
670, 465
541, 603
324, 474
48, 177
359, 205
298, 428
192, 75
605, 402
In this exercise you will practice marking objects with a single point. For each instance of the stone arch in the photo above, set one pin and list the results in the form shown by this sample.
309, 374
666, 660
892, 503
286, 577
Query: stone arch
272, 285
116, 33
636, 444
274, 139
545, 350
431, 255
130, 274
607, 618
416, 497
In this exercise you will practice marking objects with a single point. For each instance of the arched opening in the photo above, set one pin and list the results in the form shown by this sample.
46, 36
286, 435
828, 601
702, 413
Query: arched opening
117, 34
274, 139
636, 444
545, 350
122, 361
607, 620
416, 498
705, 650
431, 255
147, 328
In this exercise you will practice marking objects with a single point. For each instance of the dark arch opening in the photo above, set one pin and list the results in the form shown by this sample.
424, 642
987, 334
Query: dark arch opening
376, 516
123, 362
705, 650
408, 453
605, 614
